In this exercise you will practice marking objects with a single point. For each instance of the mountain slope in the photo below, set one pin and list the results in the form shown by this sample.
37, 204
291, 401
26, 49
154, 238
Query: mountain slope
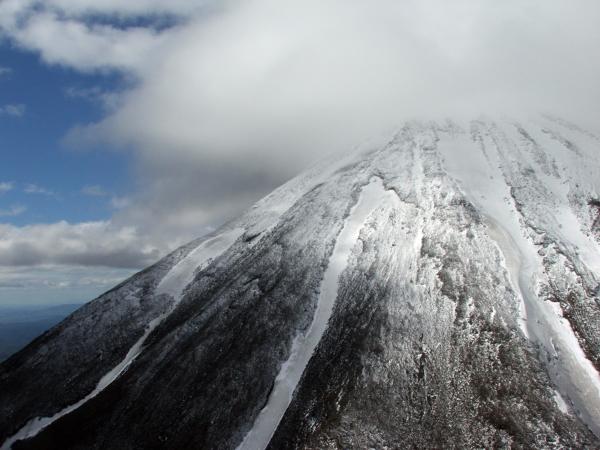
438, 290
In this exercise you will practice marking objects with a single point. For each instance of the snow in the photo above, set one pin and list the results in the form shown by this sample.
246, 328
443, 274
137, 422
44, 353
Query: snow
572, 372
567, 225
304, 345
560, 402
266, 213
484, 185
584, 246
173, 284
514, 266
481, 180
183, 272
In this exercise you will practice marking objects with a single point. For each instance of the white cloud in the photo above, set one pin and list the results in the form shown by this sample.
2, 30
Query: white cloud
6, 186
94, 191
87, 47
99, 243
35, 189
270, 81
13, 211
14, 110
266, 81
64, 31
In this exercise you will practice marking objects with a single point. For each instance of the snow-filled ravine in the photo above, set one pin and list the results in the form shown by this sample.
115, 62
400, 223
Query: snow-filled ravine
173, 284
304, 344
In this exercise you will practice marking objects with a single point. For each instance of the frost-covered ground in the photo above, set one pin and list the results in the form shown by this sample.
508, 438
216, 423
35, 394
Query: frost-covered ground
453, 303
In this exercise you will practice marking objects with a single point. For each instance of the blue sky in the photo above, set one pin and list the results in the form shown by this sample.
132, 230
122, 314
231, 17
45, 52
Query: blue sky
32, 144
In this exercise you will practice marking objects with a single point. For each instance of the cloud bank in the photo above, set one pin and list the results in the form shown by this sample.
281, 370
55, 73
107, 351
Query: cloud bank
269, 82
85, 244
231, 98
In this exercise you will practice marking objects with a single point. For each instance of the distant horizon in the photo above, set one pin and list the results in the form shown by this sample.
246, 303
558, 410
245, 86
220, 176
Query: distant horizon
21, 324
39, 305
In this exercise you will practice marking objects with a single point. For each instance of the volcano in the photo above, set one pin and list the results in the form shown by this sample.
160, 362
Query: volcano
437, 289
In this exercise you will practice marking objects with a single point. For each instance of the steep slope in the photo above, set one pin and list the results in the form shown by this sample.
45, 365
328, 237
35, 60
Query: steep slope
438, 290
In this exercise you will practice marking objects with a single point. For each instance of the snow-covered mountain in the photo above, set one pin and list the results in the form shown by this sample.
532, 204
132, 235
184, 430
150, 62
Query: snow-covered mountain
439, 290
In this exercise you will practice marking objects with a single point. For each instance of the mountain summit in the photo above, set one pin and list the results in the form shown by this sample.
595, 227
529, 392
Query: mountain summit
438, 290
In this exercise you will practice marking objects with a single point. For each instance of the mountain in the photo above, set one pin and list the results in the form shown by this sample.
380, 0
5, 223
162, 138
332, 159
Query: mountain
437, 290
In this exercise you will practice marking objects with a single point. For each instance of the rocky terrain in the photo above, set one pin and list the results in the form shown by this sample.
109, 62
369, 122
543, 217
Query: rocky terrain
437, 290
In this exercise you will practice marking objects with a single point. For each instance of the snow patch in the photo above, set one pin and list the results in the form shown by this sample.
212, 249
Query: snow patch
560, 402
182, 274
514, 266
